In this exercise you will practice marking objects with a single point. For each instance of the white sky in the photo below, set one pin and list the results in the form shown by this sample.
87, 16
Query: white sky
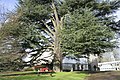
118, 15
9, 4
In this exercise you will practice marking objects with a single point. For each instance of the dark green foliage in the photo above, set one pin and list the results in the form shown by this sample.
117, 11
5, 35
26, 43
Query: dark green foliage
102, 9
84, 34
34, 11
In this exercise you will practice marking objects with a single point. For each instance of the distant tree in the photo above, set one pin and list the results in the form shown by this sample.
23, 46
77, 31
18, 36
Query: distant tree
10, 64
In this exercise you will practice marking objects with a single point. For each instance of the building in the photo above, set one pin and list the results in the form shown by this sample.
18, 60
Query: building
109, 66
72, 63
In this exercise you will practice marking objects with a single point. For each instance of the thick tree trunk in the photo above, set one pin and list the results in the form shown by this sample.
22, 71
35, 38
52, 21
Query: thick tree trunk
57, 53
57, 65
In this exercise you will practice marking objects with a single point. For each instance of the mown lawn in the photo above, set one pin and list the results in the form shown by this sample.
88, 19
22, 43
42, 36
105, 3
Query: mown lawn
56, 76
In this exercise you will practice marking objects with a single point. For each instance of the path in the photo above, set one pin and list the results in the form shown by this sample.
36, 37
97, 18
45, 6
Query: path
105, 76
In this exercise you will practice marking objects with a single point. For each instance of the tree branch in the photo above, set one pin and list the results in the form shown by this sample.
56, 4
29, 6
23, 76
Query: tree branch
51, 31
55, 13
49, 34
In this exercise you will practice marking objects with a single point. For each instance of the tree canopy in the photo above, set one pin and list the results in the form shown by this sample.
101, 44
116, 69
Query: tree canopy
84, 34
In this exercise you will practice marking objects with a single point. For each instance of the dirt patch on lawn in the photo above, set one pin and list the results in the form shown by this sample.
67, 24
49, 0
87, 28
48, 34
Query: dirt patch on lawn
104, 76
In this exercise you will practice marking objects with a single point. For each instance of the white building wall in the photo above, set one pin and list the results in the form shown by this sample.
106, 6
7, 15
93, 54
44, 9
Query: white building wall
109, 66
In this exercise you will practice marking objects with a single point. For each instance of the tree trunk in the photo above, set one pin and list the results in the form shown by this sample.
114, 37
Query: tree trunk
57, 53
57, 64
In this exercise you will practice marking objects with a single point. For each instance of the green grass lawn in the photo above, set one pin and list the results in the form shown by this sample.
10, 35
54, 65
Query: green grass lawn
56, 76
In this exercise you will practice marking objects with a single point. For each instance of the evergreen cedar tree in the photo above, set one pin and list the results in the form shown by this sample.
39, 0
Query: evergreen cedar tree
74, 26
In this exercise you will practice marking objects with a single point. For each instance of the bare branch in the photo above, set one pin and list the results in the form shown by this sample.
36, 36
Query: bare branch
49, 34
48, 27
55, 13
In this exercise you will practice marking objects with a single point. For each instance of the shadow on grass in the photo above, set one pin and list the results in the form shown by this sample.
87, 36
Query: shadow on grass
27, 73
117, 77
91, 72
83, 72
94, 72
105, 75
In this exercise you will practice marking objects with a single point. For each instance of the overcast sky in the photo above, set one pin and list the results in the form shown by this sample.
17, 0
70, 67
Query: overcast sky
118, 15
9, 4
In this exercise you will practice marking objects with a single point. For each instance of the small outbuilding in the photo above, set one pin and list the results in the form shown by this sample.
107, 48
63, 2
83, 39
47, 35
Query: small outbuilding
72, 63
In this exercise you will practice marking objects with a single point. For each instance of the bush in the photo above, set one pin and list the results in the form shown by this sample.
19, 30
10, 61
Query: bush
11, 66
